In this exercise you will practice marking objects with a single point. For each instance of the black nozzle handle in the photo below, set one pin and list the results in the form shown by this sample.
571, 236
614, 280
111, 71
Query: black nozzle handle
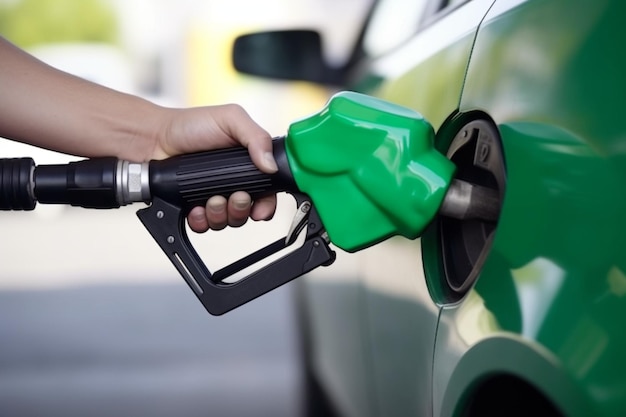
16, 184
465, 200
190, 180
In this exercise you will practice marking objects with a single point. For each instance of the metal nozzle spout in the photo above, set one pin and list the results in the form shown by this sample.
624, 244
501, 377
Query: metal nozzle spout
465, 200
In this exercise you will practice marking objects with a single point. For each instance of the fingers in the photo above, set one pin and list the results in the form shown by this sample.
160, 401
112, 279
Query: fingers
238, 124
239, 205
216, 127
217, 212
264, 208
220, 212
197, 220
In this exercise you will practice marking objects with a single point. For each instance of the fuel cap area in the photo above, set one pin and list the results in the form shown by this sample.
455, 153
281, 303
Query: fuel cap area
459, 240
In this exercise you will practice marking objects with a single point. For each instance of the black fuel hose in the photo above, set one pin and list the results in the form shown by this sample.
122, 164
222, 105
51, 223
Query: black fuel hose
185, 181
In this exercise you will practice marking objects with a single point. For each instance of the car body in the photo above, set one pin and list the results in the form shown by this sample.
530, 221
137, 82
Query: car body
522, 317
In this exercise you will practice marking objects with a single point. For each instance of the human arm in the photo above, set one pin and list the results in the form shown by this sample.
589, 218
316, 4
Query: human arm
45, 107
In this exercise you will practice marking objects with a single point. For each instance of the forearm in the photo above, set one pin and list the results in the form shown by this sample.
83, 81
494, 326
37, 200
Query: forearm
48, 108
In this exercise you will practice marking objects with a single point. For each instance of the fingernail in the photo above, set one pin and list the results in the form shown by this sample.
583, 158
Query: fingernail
216, 206
198, 216
241, 204
270, 163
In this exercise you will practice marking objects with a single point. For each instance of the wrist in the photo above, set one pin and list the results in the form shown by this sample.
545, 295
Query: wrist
146, 135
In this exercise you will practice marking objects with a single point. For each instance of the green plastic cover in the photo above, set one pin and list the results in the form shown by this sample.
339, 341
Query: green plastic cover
370, 168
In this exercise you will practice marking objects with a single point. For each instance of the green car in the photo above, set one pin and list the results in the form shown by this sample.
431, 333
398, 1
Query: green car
521, 317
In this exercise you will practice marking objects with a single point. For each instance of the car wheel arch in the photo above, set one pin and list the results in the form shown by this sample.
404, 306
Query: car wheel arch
515, 361
504, 392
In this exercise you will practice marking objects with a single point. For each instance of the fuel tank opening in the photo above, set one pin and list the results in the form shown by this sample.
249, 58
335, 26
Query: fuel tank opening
469, 216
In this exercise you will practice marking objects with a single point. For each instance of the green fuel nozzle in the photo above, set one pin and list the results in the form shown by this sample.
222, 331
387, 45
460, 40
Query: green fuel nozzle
370, 167
361, 170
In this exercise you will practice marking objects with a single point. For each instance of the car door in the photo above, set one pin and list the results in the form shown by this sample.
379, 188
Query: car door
426, 72
545, 313
370, 322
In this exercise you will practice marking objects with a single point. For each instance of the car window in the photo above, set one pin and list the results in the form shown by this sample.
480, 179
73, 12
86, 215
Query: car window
405, 17
400, 15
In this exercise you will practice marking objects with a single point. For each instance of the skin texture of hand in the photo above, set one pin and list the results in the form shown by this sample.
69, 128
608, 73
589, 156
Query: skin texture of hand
45, 107
189, 130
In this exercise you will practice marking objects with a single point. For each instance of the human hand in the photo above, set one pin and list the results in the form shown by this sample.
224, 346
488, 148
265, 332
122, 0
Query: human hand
82, 118
205, 128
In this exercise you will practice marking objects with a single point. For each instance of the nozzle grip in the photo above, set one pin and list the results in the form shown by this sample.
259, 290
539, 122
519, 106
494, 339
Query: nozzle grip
178, 184
190, 180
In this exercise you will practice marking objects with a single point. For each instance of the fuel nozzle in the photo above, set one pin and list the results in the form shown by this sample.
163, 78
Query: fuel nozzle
372, 170
361, 170
465, 200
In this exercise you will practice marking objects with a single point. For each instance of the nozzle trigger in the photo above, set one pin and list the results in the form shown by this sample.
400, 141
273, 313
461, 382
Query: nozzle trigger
299, 221
166, 224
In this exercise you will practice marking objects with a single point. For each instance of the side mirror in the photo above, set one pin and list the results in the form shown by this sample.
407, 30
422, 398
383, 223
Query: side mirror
285, 55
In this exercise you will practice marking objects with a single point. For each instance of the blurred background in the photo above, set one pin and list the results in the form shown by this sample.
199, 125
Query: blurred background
93, 317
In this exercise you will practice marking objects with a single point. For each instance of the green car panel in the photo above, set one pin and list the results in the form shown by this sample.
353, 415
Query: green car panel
550, 297
400, 319
438, 58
